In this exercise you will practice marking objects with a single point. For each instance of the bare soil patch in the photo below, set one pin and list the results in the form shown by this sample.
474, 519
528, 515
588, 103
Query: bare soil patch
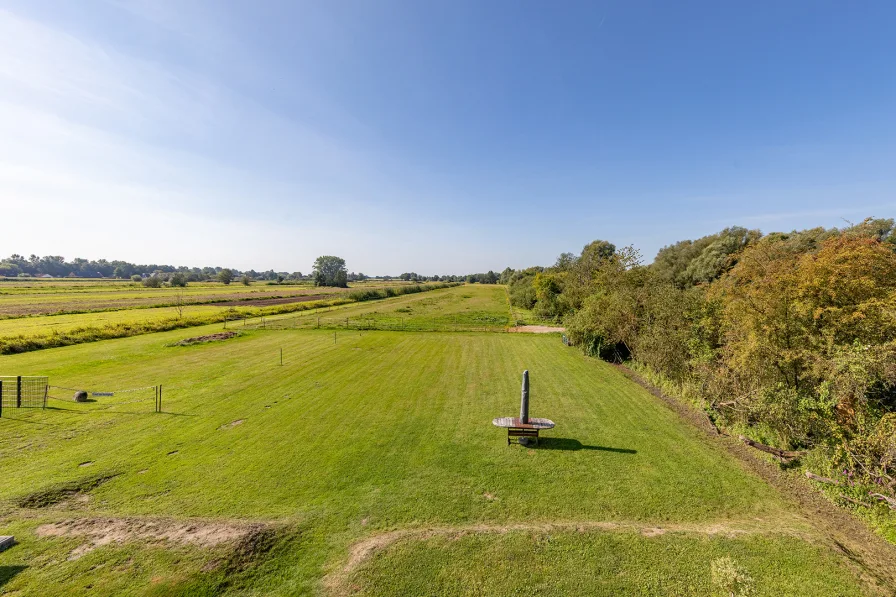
103, 531
232, 424
209, 338
536, 329
285, 300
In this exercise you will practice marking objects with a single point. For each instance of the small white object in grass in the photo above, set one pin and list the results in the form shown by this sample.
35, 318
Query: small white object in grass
6, 541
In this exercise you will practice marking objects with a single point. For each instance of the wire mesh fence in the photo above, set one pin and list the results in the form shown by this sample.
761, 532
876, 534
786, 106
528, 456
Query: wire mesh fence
102, 399
23, 391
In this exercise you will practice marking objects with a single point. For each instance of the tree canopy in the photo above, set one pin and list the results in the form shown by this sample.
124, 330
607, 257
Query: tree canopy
788, 336
329, 270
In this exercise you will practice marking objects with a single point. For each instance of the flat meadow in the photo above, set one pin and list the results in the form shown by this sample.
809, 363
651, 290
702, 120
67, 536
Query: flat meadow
59, 296
39, 314
462, 308
366, 464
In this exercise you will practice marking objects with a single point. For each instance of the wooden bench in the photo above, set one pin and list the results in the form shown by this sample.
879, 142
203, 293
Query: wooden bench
522, 432
516, 428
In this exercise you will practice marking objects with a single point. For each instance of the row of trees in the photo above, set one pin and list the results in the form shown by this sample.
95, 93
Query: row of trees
329, 270
489, 277
789, 337
56, 266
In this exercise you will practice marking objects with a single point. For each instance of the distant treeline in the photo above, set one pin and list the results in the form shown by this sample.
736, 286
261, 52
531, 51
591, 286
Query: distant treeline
373, 294
57, 267
789, 338
489, 277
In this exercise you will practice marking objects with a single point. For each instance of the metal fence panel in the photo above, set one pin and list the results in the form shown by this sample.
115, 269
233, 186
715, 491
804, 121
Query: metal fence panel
25, 391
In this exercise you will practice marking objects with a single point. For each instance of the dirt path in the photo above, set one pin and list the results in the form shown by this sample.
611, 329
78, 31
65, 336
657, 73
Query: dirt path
337, 585
535, 329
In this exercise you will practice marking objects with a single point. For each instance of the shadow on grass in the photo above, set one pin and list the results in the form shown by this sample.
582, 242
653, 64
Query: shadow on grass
565, 443
98, 411
8, 572
108, 411
7, 417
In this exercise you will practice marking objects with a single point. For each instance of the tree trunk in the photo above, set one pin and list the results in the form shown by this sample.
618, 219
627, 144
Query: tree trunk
815, 477
890, 501
854, 501
784, 455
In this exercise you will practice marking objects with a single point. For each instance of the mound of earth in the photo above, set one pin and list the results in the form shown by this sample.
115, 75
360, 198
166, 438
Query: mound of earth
209, 338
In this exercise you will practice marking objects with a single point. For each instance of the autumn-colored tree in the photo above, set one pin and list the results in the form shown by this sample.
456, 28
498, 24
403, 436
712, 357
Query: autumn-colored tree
848, 286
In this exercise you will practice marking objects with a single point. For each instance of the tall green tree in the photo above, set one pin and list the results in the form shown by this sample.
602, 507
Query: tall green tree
225, 276
329, 270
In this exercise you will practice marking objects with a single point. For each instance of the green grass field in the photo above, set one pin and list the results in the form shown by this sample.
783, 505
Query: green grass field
369, 466
130, 311
49, 297
470, 307
31, 326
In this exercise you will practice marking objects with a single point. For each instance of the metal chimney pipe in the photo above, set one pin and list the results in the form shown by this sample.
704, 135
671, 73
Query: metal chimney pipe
524, 402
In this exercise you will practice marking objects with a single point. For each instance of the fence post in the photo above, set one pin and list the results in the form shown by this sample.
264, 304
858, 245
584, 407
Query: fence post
1, 398
19, 391
160, 397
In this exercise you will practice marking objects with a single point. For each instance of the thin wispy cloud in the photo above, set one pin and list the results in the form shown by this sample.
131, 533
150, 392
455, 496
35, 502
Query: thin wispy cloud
93, 138
431, 137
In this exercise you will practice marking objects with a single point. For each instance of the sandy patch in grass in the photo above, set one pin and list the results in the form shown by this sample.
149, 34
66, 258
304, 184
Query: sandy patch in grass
232, 424
103, 531
536, 329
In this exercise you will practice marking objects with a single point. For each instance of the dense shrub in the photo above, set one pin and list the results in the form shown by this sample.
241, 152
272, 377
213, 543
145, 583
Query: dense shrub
372, 294
788, 337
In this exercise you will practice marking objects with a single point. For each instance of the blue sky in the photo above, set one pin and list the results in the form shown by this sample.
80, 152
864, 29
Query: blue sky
438, 137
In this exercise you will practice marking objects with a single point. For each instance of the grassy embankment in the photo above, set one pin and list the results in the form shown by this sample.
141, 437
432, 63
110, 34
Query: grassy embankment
370, 466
